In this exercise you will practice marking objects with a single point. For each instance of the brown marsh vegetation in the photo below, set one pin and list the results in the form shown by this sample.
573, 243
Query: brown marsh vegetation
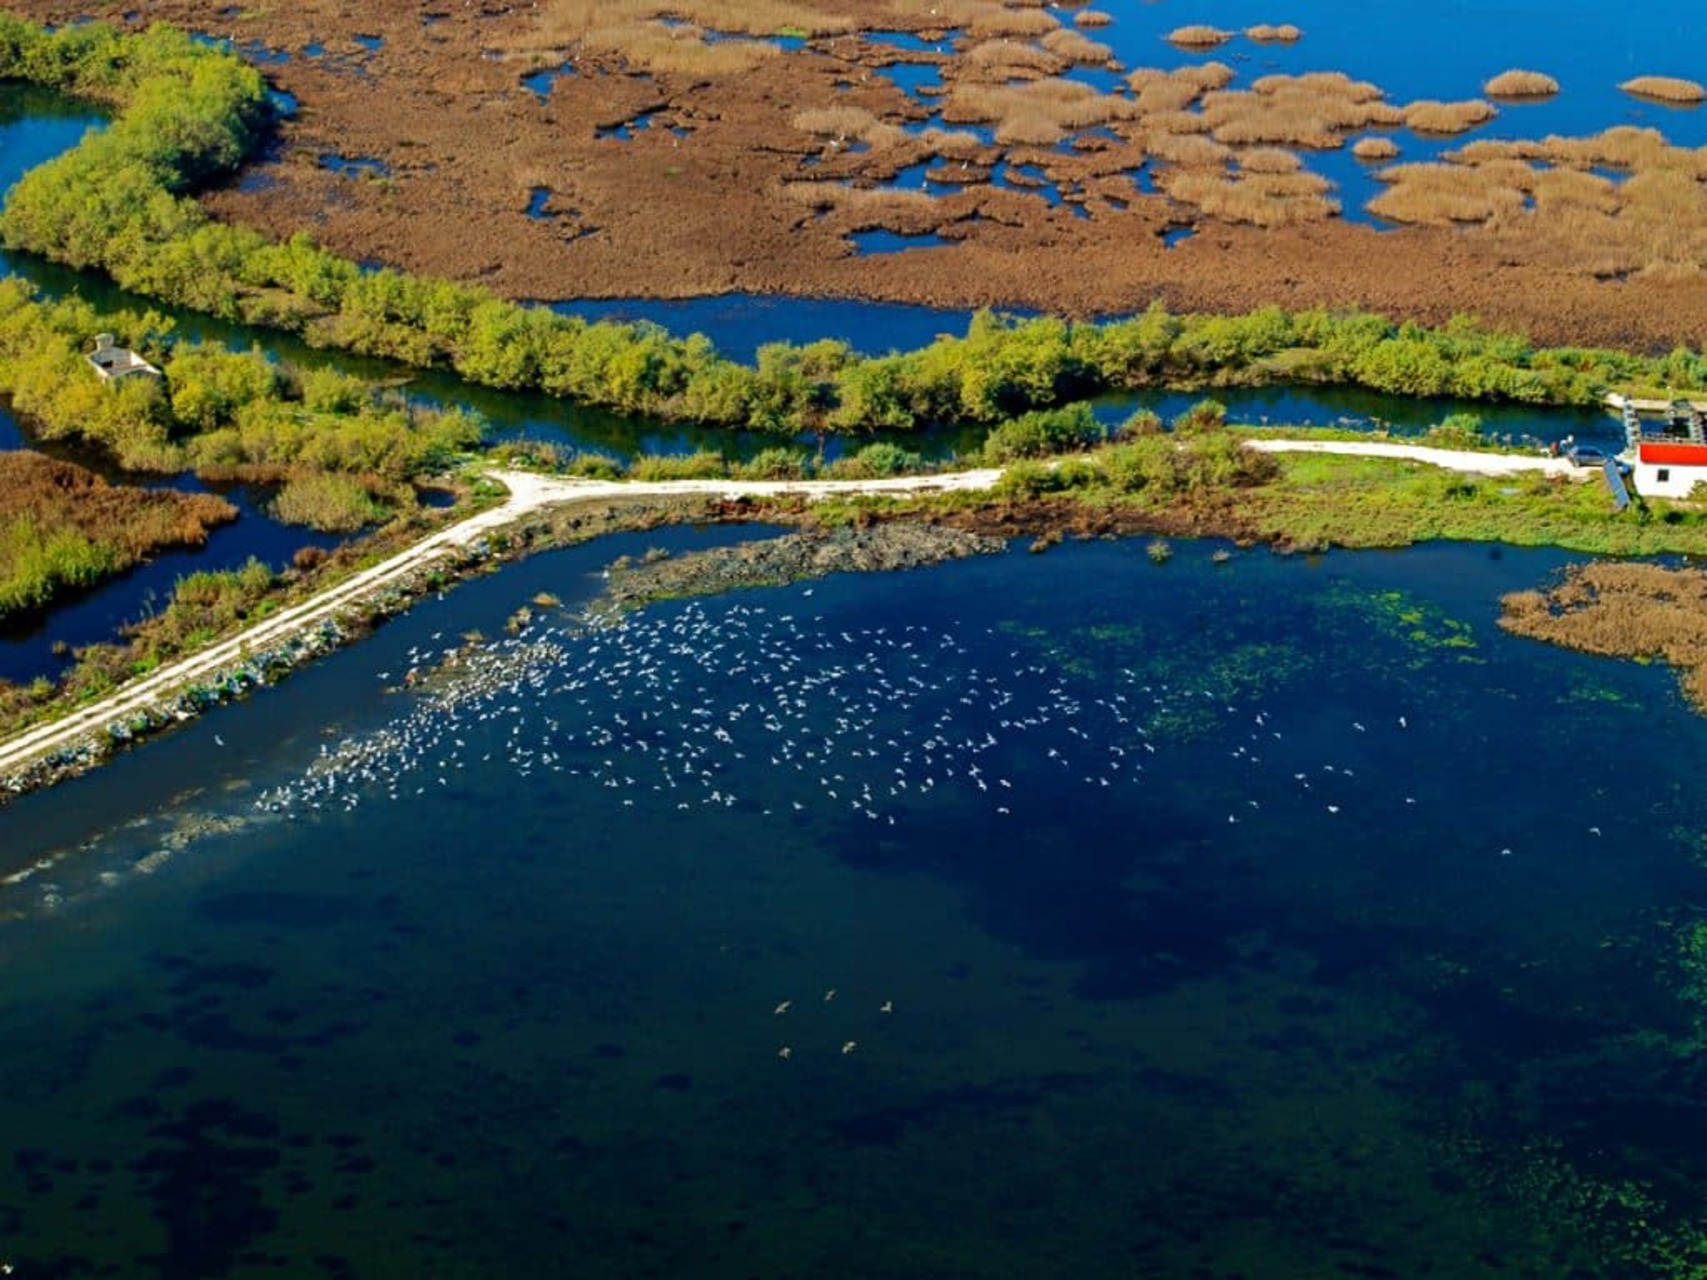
1375, 148
1198, 36
1540, 199
1665, 89
1517, 83
1624, 610
1428, 116
1274, 33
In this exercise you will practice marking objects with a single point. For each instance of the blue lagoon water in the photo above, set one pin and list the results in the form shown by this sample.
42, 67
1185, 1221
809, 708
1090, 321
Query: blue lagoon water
1027, 915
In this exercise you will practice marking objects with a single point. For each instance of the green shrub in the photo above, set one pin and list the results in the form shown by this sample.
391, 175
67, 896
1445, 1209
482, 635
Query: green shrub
1042, 433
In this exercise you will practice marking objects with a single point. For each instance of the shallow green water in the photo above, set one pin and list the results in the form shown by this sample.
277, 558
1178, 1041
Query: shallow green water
1405, 1013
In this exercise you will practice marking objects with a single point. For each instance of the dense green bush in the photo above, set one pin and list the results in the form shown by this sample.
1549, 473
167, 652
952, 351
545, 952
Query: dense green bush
1043, 432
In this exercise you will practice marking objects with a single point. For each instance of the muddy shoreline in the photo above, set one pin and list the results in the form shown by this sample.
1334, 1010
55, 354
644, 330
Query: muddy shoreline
704, 201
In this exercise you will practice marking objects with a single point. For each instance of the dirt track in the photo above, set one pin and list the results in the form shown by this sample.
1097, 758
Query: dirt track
699, 203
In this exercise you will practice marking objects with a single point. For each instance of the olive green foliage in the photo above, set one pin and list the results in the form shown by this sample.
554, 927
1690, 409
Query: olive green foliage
1043, 432
36, 564
874, 462
215, 408
327, 501
189, 112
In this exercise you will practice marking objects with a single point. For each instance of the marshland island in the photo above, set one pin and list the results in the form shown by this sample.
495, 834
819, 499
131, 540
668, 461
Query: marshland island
902, 600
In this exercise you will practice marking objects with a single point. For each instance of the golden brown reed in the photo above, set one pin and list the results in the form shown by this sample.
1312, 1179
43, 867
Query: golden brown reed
1198, 36
1038, 112
1335, 84
1444, 194
1624, 610
567, 20
1002, 60
997, 20
1517, 83
135, 521
1269, 160
1429, 116
1665, 89
1305, 111
662, 50
1375, 148
1076, 48
845, 123
1263, 199
1272, 33
1189, 150
1091, 18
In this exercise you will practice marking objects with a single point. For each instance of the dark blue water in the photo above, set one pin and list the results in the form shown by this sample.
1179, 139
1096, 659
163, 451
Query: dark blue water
1117, 919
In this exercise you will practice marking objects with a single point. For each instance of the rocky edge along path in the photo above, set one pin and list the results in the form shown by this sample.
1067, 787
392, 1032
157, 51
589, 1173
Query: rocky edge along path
527, 493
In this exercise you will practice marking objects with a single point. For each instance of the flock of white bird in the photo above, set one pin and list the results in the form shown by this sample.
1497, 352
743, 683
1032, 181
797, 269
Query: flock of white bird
744, 706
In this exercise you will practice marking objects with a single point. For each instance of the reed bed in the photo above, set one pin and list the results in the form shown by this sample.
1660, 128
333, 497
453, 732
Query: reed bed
1618, 609
843, 124
1157, 91
1375, 149
1435, 194
1198, 36
1002, 60
1273, 33
1269, 160
1620, 147
563, 21
998, 20
1517, 83
1038, 113
1665, 89
1262, 199
1189, 150
1091, 18
1075, 48
682, 50
1316, 111
1428, 116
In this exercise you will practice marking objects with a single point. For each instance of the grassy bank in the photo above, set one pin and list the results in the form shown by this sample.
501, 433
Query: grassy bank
123, 202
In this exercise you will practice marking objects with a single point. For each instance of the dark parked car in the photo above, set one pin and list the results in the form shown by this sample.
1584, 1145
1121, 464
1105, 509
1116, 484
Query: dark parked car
1587, 455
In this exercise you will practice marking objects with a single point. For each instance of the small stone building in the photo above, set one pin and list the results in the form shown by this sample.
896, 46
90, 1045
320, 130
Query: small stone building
112, 362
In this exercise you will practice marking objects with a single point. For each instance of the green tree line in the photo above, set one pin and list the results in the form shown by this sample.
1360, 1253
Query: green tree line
122, 201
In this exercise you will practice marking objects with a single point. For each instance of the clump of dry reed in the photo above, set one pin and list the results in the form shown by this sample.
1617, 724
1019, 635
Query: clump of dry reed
561, 21
1444, 194
1038, 112
1375, 148
1517, 83
1665, 89
682, 50
845, 123
1156, 91
1076, 48
1428, 116
1622, 610
1189, 150
1271, 33
1269, 160
1315, 110
1263, 199
1002, 60
1091, 18
991, 20
1198, 36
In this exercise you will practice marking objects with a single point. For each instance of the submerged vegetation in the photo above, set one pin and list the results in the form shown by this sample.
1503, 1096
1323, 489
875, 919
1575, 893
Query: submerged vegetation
122, 201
